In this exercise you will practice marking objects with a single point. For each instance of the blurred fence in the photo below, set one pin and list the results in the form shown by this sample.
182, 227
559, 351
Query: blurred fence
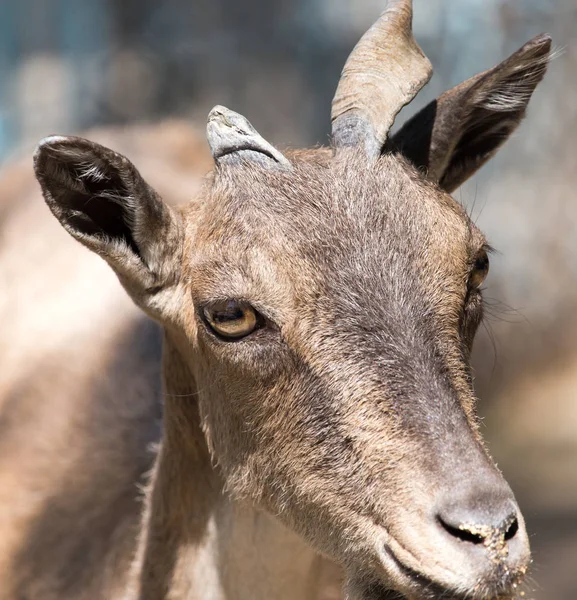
66, 65
69, 64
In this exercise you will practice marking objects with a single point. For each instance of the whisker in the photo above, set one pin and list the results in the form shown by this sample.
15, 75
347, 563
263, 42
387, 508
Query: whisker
492, 339
192, 394
498, 310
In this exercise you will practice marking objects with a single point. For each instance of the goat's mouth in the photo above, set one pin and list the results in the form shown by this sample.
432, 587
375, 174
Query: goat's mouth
429, 590
381, 592
418, 586
432, 591
421, 586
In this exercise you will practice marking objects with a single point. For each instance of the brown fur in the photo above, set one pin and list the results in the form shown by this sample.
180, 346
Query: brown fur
342, 432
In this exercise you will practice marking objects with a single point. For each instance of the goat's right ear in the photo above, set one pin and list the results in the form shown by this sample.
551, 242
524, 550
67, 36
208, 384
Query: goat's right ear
102, 200
452, 137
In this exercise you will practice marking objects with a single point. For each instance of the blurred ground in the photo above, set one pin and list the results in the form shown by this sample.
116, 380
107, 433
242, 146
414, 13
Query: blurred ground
66, 65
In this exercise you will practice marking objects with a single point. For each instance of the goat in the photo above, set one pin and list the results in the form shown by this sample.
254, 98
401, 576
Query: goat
318, 311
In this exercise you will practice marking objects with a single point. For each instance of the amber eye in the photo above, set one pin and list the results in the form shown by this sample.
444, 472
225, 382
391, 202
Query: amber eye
231, 319
480, 270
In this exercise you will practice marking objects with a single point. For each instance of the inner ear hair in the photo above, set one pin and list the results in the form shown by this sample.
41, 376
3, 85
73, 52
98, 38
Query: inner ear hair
101, 199
91, 194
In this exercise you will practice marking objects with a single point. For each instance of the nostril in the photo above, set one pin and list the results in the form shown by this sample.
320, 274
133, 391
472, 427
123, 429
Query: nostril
512, 530
462, 533
476, 527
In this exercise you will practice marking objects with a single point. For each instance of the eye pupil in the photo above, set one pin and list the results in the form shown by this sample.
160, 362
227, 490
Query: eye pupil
233, 312
480, 270
482, 263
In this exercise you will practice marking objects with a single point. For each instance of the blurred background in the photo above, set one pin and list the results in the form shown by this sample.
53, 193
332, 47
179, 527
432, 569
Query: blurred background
70, 65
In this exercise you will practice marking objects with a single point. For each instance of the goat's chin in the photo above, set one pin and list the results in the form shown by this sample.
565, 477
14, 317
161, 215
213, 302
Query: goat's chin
381, 593
420, 589
427, 593
375, 592
385, 595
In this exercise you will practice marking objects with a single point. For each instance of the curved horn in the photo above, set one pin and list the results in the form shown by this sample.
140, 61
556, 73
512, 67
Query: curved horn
384, 72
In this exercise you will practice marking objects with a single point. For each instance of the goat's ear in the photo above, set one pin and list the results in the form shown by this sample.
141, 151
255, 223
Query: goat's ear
102, 200
458, 132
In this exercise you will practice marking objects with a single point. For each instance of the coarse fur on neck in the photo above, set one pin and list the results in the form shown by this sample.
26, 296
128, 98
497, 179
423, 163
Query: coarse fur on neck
196, 540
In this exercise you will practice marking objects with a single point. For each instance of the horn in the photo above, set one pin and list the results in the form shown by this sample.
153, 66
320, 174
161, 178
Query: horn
383, 73
232, 139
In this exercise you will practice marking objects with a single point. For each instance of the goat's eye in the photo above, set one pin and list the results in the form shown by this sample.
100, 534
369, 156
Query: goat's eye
480, 270
231, 319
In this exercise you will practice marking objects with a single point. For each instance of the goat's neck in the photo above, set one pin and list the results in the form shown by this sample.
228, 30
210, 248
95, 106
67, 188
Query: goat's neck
196, 542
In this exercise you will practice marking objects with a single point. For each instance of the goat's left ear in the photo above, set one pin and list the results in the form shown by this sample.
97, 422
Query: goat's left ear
458, 132
101, 200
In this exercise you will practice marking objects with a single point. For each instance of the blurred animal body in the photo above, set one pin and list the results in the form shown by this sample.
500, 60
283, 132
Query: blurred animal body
318, 436
80, 399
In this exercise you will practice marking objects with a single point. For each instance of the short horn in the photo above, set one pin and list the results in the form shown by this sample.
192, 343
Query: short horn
384, 72
233, 139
